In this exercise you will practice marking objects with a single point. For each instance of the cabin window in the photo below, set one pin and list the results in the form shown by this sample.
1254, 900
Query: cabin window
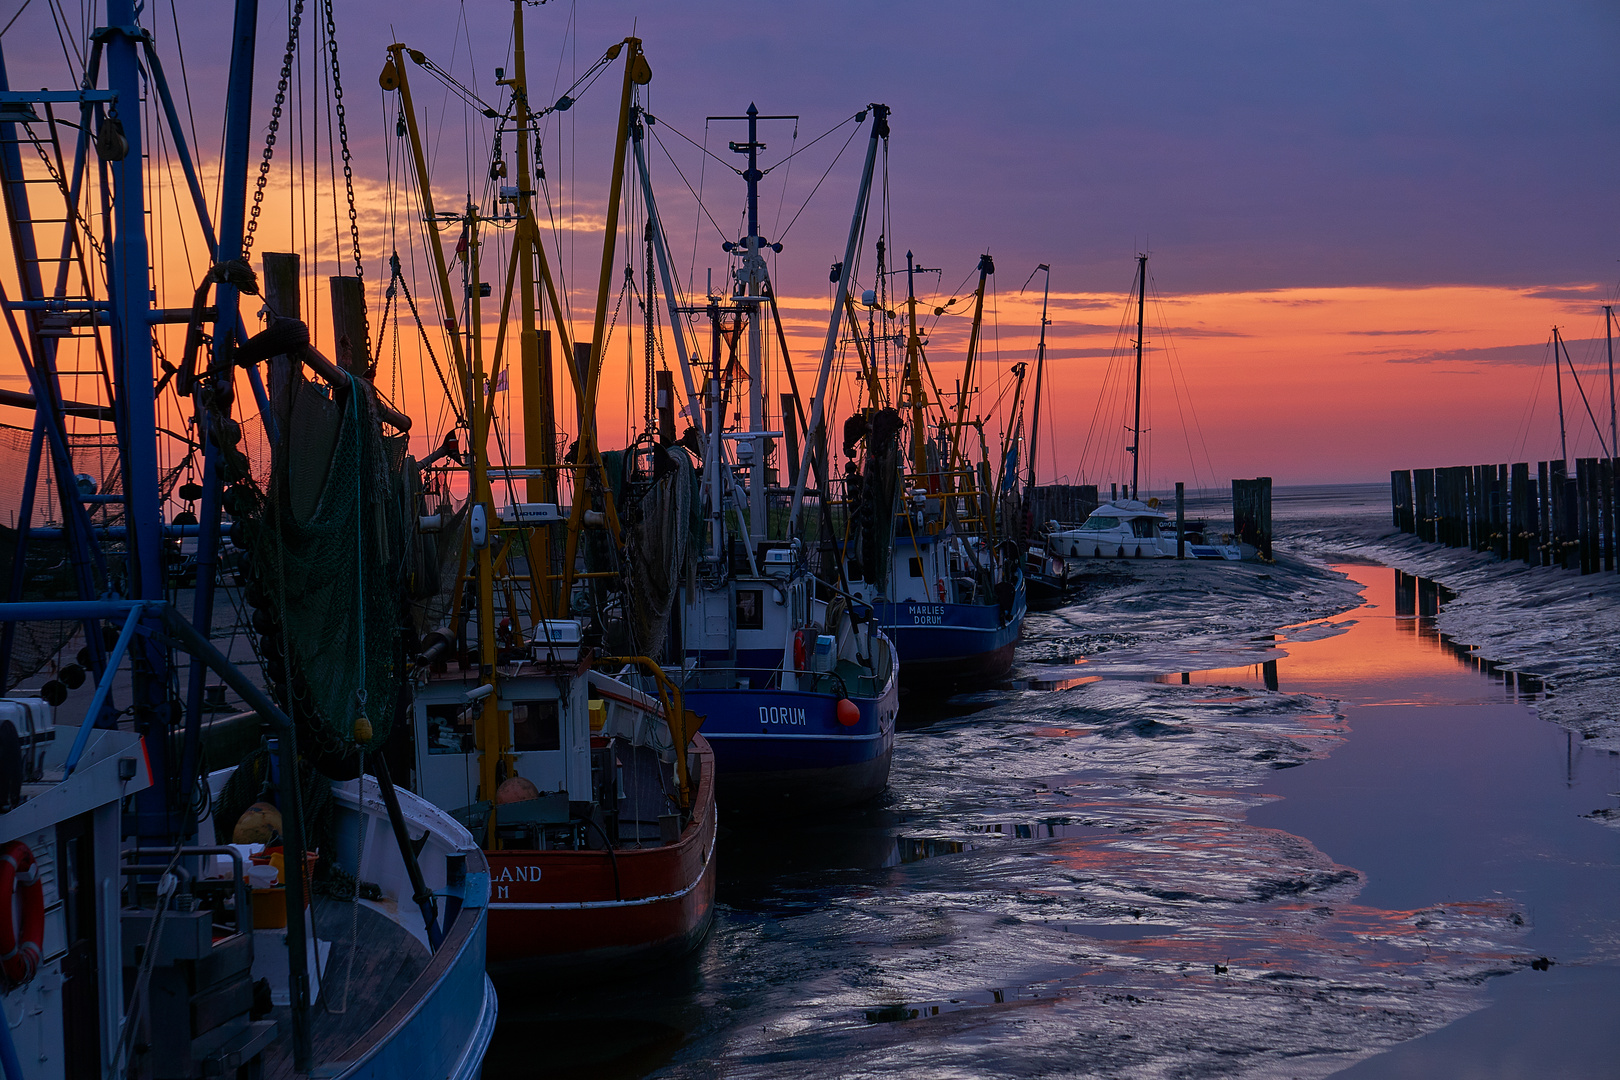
449, 728
1144, 528
535, 726
1100, 524
916, 567
750, 609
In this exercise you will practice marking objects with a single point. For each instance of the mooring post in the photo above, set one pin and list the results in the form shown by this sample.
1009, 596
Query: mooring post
1422, 500
665, 403
1181, 519
1560, 506
282, 297
349, 345
1606, 497
790, 429
1544, 502
1519, 502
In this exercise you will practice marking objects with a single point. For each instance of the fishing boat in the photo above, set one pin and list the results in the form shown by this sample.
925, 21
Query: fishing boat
921, 543
539, 723
795, 679
149, 943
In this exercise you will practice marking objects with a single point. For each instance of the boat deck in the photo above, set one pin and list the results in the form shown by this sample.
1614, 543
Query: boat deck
387, 960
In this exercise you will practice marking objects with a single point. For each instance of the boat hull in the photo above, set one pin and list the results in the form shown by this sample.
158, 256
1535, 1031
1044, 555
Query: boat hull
949, 645
597, 911
788, 744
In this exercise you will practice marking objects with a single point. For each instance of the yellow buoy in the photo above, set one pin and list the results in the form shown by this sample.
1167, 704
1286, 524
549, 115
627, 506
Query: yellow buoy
259, 824
362, 729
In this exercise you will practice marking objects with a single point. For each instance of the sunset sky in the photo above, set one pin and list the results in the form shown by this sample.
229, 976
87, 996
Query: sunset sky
1363, 220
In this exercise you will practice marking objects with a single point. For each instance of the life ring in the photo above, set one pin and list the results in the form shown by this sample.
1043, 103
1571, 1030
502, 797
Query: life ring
20, 950
940, 584
799, 650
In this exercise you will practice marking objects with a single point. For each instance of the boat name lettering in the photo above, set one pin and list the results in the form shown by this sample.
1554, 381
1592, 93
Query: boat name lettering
778, 715
927, 614
519, 873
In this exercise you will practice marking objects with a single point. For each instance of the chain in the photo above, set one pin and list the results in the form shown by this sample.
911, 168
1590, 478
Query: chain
343, 136
650, 308
275, 127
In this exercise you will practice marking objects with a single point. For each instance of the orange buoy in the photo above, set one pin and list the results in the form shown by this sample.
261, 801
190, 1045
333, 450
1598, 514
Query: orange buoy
515, 789
849, 713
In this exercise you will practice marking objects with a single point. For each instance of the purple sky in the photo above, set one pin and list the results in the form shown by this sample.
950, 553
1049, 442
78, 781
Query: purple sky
1256, 145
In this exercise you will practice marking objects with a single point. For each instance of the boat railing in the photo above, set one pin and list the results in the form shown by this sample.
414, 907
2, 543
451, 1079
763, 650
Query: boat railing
849, 684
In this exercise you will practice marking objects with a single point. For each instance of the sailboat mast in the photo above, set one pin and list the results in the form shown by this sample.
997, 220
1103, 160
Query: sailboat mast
1040, 369
1141, 319
1608, 338
1558, 376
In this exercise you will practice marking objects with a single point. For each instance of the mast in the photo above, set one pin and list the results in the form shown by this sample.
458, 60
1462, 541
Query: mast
913, 375
1608, 339
987, 267
539, 420
1558, 375
753, 271
1141, 317
1040, 369
655, 226
829, 348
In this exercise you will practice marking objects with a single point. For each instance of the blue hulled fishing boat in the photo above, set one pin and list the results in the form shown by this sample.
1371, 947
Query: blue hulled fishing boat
793, 676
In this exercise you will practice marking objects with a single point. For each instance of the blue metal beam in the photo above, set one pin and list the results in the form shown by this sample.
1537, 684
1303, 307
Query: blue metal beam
103, 688
232, 219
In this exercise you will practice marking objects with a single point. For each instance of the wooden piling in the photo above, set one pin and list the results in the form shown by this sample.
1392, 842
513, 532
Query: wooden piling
1606, 511
350, 344
1521, 499
282, 297
790, 428
1181, 520
1561, 505
1544, 513
1423, 503
1251, 513
1400, 489
664, 381
1500, 515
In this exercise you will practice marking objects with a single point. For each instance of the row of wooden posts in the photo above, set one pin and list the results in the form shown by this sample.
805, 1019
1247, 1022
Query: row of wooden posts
1551, 518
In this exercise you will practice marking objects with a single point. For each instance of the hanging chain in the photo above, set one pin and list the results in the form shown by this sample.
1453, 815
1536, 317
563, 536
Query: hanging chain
650, 307
275, 127
343, 136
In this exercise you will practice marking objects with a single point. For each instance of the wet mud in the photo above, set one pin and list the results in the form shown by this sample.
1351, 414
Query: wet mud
1131, 860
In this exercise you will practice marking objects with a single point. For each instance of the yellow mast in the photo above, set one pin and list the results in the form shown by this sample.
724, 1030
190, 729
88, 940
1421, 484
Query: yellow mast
637, 72
986, 268
913, 376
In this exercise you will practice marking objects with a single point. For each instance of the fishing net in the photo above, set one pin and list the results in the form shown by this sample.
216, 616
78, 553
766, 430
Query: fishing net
329, 558
872, 488
659, 533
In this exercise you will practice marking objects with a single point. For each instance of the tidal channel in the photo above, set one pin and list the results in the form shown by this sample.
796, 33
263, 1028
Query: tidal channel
1364, 841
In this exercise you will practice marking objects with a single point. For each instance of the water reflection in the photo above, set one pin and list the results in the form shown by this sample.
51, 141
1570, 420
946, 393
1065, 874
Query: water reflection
1378, 663
1078, 882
